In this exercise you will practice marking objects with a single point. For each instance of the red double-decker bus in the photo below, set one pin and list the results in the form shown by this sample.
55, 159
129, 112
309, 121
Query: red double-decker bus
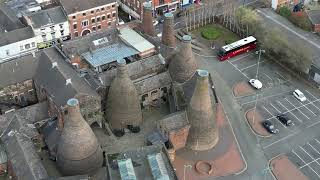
236, 48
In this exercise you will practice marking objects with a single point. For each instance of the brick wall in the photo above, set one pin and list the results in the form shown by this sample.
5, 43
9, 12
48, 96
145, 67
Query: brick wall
92, 20
316, 28
178, 138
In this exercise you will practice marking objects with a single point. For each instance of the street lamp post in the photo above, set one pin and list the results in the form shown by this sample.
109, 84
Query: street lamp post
184, 170
257, 95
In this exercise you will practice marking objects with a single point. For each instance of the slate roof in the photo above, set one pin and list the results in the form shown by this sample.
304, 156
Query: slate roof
54, 79
82, 44
8, 20
154, 82
16, 137
16, 35
72, 6
48, 16
109, 54
18, 70
174, 121
136, 69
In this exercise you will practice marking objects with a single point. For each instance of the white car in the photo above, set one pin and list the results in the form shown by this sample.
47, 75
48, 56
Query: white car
155, 22
255, 83
299, 95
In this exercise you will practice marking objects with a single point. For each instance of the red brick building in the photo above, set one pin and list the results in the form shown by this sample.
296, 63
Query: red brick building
159, 7
89, 16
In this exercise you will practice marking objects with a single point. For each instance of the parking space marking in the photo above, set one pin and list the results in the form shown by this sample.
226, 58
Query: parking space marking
311, 94
305, 107
240, 58
284, 138
313, 148
238, 70
308, 165
297, 108
313, 105
266, 97
317, 140
275, 108
272, 114
268, 76
289, 111
268, 111
313, 159
251, 66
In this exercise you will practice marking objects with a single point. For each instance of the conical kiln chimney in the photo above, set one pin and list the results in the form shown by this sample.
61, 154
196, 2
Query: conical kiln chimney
183, 65
123, 106
147, 24
168, 38
78, 150
203, 134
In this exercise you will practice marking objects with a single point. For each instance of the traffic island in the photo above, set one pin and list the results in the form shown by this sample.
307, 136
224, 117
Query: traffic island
242, 89
283, 169
255, 121
222, 160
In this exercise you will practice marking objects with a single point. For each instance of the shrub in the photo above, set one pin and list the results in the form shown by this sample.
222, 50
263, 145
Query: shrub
285, 11
211, 33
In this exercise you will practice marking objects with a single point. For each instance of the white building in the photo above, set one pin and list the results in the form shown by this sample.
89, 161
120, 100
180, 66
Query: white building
49, 24
17, 43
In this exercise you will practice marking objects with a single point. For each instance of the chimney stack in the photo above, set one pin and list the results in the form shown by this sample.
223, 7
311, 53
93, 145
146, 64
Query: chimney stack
123, 106
183, 65
147, 24
203, 134
78, 149
168, 37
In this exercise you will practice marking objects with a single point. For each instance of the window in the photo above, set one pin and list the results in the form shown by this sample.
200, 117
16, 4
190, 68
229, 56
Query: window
94, 28
113, 5
42, 29
109, 23
7, 52
102, 9
27, 46
98, 10
99, 26
113, 14
61, 26
138, 4
53, 35
93, 20
74, 26
92, 12
75, 34
108, 16
108, 7
73, 17
33, 44
103, 17
21, 48
85, 23
83, 14
98, 19
62, 33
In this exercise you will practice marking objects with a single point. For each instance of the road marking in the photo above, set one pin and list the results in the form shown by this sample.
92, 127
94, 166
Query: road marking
308, 165
313, 105
266, 97
268, 111
286, 137
314, 148
288, 110
297, 108
313, 159
267, 76
238, 70
251, 66
234, 60
275, 108
311, 94
305, 106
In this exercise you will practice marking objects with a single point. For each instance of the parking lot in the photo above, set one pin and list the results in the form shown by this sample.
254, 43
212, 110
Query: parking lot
307, 158
268, 73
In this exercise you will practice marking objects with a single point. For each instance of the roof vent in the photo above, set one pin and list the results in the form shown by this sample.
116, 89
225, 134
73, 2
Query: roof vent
68, 81
54, 64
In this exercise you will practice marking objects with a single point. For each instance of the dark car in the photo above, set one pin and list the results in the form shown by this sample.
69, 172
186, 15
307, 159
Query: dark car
270, 127
285, 120
161, 20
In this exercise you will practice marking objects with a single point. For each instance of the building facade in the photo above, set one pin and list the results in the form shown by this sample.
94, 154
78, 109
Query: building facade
49, 24
85, 18
275, 4
159, 7
17, 43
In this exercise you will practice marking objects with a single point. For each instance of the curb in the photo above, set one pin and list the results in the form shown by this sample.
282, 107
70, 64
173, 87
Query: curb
269, 163
235, 138
254, 132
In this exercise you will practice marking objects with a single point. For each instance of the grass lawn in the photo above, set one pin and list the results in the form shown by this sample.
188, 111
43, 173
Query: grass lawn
215, 32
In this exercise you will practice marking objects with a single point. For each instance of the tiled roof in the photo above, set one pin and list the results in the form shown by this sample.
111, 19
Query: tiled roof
48, 16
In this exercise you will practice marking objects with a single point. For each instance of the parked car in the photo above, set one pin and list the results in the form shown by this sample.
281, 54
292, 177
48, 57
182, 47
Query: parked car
299, 95
155, 22
285, 120
270, 127
255, 83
